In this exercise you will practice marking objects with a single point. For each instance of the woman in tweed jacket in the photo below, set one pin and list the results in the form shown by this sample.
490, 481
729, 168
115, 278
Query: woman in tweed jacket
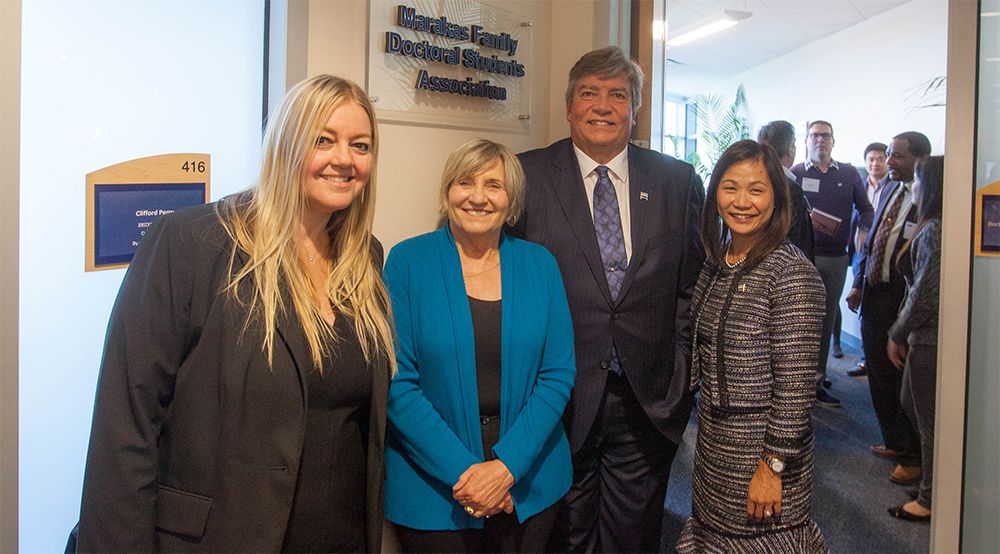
758, 310
912, 344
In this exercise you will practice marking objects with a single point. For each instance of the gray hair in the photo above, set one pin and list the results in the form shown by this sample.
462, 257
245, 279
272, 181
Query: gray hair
779, 134
476, 156
607, 63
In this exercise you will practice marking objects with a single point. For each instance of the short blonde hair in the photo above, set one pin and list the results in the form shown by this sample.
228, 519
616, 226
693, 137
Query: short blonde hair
476, 156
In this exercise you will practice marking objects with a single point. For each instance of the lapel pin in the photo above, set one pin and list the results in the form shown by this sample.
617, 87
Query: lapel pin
643, 196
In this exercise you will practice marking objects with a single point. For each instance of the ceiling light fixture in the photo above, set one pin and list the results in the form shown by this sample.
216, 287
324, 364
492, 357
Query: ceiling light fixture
707, 26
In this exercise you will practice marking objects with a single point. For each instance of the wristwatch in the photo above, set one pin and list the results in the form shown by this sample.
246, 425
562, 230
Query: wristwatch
774, 463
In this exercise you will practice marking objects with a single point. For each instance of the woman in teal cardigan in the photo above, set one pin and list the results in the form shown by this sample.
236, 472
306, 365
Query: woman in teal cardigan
486, 365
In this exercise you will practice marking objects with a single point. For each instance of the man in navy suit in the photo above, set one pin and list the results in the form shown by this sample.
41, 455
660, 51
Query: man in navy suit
879, 289
623, 223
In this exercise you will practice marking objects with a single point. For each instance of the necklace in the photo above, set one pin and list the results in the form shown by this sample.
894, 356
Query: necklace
737, 262
478, 273
314, 257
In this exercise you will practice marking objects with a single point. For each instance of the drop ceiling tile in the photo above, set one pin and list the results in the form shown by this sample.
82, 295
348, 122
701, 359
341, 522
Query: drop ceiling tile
819, 31
757, 7
801, 6
844, 17
702, 7
784, 42
871, 9
762, 24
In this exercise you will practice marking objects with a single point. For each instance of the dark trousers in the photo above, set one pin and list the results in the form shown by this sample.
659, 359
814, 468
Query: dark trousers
884, 380
500, 533
919, 397
833, 271
619, 480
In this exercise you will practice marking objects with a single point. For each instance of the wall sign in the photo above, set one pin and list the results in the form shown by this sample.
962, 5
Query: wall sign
987, 228
124, 199
452, 62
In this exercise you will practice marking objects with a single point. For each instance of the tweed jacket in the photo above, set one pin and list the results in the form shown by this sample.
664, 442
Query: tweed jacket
917, 322
764, 346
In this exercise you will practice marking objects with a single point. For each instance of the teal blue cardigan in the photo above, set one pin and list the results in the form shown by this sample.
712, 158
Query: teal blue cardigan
433, 408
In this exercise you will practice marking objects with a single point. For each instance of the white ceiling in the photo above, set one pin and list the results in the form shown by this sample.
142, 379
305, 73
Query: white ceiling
775, 28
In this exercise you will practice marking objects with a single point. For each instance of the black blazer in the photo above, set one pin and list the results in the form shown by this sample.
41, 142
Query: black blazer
196, 442
882, 302
649, 323
800, 233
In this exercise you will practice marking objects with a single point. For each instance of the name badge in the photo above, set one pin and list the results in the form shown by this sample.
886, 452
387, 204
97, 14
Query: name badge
810, 185
908, 228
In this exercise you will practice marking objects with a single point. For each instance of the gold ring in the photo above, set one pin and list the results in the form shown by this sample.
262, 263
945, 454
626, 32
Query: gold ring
767, 513
469, 510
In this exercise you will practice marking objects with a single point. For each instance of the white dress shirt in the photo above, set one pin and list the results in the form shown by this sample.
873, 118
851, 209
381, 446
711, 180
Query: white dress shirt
618, 173
898, 225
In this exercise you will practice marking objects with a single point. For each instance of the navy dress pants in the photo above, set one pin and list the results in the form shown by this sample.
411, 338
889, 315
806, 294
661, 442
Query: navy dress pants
620, 479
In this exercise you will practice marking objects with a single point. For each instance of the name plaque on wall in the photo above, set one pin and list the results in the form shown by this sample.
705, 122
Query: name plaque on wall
449, 62
124, 199
987, 228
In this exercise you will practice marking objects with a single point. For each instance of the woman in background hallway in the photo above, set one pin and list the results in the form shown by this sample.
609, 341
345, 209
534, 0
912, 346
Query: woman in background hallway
241, 400
758, 311
912, 345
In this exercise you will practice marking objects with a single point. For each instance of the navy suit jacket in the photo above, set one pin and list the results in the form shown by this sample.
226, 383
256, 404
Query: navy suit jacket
649, 322
883, 302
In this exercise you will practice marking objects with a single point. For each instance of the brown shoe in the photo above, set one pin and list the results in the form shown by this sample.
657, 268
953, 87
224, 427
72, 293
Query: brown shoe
905, 475
884, 452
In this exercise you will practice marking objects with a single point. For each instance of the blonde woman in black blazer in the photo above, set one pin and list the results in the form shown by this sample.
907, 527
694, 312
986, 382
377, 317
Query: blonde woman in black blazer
243, 330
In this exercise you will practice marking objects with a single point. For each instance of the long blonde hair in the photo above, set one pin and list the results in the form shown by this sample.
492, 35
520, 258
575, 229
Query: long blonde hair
261, 222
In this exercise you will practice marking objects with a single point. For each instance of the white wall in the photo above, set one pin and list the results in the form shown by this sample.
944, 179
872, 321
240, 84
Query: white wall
412, 156
858, 80
105, 81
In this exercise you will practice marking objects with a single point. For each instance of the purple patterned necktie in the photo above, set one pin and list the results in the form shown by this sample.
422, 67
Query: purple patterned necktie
611, 240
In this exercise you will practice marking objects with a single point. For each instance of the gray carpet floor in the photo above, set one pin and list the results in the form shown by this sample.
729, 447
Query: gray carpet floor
851, 490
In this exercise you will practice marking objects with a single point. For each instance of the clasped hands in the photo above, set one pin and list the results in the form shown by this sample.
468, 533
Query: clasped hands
484, 489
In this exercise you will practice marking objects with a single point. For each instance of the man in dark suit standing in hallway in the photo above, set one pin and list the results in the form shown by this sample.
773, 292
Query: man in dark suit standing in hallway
623, 222
780, 135
879, 289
